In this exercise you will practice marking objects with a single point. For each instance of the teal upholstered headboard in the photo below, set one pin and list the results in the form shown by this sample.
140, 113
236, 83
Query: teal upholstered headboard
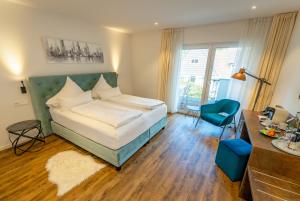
43, 88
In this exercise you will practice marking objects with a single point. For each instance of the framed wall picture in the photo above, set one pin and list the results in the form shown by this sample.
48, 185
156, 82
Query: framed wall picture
72, 51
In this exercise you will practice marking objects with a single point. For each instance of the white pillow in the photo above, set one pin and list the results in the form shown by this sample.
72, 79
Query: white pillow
70, 89
109, 93
101, 85
69, 102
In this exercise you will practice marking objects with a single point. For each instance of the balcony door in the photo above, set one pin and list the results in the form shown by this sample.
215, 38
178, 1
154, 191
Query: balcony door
205, 73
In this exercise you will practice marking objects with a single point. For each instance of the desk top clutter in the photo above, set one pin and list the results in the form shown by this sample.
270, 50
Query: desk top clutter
284, 130
270, 171
284, 146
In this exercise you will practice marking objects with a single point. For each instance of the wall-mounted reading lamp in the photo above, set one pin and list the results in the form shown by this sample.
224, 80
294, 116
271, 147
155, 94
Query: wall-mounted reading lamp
23, 88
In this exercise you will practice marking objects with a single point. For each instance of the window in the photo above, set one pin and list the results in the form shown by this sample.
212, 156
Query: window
222, 69
192, 76
205, 73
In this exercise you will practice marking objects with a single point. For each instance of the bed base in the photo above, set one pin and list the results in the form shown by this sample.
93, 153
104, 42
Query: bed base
115, 157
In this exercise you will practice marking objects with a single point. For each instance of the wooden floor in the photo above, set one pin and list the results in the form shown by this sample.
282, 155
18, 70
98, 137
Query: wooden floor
178, 164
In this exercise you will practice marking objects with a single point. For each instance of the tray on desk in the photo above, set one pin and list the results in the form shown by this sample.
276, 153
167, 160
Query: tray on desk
283, 146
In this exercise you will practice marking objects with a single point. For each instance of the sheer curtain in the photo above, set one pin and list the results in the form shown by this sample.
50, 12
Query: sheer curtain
273, 56
170, 60
251, 47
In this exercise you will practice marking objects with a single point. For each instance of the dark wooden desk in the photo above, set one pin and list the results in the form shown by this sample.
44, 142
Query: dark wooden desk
271, 174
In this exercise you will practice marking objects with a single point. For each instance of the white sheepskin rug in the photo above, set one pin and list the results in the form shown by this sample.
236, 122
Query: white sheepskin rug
69, 168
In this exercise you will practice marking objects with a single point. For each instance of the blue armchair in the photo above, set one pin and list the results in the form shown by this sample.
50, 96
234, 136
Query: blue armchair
221, 113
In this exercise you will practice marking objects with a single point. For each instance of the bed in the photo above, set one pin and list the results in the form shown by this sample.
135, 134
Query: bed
114, 145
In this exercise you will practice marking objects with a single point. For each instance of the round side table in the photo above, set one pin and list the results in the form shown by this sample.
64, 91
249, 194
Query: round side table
193, 111
20, 130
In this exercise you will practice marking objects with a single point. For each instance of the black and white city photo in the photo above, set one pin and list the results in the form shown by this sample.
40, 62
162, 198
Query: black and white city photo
72, 51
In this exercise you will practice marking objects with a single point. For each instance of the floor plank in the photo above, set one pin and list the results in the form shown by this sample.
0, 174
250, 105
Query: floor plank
177, 164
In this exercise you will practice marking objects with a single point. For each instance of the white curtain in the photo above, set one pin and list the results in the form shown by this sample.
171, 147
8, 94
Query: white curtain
173, 89
250, 52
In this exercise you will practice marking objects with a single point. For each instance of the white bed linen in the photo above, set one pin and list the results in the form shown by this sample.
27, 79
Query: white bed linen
104, 134
135, 101
109, 113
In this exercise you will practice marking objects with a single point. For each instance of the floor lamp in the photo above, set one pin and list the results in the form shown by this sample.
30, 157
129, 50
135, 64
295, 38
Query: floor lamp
241, 75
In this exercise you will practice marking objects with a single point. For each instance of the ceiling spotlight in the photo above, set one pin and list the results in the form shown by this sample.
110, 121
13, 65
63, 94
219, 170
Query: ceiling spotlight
155, 23
253, 7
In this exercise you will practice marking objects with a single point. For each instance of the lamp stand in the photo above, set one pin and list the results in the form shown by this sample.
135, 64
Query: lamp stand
261, 82
258, 93
241, 76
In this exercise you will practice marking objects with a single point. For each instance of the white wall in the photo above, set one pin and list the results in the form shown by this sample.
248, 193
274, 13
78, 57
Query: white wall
288, 85
22, 55
146, 47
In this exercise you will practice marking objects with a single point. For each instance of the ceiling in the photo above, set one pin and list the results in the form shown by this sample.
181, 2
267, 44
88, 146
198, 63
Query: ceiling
140, 15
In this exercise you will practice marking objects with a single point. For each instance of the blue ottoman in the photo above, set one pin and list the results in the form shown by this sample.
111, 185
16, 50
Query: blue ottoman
232, 157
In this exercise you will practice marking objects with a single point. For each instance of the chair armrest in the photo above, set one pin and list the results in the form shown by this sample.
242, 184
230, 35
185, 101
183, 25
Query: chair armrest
209, 108
227, 120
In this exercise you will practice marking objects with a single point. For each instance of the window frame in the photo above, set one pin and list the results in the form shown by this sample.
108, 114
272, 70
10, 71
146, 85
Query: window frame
212, 47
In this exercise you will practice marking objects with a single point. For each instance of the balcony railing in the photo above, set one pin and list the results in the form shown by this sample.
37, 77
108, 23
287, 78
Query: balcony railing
191, 90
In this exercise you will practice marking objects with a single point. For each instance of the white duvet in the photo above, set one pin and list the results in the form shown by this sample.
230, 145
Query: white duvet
108, 113
135, 101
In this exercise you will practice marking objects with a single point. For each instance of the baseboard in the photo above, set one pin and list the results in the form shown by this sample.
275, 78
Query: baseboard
8, 146
5, 147
23, 140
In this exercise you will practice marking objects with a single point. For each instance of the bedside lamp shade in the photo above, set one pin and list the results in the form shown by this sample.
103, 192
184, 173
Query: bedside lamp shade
240, 75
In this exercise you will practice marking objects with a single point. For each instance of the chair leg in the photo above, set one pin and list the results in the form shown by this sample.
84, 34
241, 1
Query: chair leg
235, 128
197, 121
234, 122
222, 132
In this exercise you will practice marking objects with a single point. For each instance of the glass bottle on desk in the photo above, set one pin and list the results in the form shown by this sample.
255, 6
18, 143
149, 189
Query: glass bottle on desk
298, 121
294, 141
